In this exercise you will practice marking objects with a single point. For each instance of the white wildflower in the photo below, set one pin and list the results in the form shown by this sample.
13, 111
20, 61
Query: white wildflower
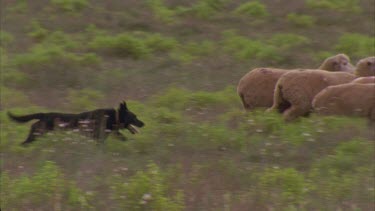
306, 134
147, 197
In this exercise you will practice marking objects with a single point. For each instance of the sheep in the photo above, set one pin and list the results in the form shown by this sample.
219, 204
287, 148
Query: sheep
365, 80
365, 67
256, 88
337, 63
296, 89
352, 99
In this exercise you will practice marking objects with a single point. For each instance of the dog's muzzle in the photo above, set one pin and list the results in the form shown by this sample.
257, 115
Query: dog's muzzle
133, 129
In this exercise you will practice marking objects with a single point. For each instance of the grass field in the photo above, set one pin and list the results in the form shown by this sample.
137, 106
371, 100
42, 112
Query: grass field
177, 63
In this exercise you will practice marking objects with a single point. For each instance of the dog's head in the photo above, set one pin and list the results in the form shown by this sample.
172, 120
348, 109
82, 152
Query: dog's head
129, 119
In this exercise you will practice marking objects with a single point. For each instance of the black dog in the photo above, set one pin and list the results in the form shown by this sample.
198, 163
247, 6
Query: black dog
97, 123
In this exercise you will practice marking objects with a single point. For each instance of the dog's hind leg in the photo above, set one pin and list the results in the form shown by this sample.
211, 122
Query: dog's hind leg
37, 129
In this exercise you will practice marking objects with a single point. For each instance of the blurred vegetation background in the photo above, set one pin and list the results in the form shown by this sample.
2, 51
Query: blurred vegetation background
178, 62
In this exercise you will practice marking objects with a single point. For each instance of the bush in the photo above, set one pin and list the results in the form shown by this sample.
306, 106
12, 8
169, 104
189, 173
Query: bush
287, 186
52, 49
288, 41
187, 53
273, 49
5, 38
244, 48
38, 32
301, 20
52, 65
20, 6
46, 189
344, 176
253, 9
135, 45
12, 98
181, 99
161, 11
356, 45
338, 5
70, 5
207, 8
84, 99
348, 158
146, 190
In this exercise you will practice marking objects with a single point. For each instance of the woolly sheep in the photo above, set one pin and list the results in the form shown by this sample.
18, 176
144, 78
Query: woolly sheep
365, 80
352, 99
256, 88
296, 89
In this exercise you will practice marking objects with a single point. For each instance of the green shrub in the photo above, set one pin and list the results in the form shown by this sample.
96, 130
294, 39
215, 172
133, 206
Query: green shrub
301, 20
42, 55
187, 53
10, 76
14, 78
181, 99
62, 39
338, 5
5, 38
213, 137
37, 31
287, 41
273, 49
344, 176
161, 11
356, 45
45, 189
70, 5
242, 47
159, 43
20, 6
348, 157
253, 9
146, 190
53, 66
123, 45
136, 45
287, 186
12, 98
207, 8
84, 99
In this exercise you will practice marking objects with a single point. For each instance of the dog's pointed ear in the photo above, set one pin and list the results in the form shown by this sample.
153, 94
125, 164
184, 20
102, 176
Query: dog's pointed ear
123, 105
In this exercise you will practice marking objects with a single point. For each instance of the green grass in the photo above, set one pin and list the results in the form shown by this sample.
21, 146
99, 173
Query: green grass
71, 5
337, 5
298, 20
356, 45
307, 164
177, 64
136, 45
272, 49
253, 9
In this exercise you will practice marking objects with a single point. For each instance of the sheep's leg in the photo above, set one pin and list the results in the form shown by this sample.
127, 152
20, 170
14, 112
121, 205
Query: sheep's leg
279, 103
296, 111
246, 105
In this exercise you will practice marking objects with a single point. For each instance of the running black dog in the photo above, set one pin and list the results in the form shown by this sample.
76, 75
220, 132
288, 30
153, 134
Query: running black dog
97, 123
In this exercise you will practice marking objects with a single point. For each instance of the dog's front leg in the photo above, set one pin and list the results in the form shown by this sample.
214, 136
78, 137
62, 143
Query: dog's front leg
120, 136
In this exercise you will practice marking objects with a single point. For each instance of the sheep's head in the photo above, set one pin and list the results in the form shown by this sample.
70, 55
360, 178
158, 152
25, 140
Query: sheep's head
339, 62
366, 67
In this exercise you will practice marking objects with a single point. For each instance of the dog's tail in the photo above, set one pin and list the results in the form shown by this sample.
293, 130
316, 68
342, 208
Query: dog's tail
25, 118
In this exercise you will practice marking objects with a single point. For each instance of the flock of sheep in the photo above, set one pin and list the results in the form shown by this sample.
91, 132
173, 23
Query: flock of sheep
335, 88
